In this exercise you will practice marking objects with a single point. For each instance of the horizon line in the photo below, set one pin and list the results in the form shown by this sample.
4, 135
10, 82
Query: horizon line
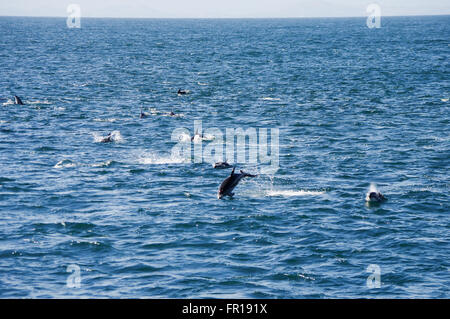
225, 18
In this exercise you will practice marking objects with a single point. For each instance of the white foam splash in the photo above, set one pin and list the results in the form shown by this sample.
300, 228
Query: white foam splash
65, 163
196, 138
115, 136
270, 99
290, 193
155, 159
103, 164
170, 115
9, 102
372, 189
38, 102
184, 137
206, 137
110, 120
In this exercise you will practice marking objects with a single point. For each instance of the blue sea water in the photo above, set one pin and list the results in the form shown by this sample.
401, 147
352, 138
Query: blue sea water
353, 106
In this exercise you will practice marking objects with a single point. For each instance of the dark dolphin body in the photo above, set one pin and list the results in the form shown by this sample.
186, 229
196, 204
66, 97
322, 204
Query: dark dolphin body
17, 100
107, 139
221, 165
196, 134
142, 115
375, 197
180, 92
230, 183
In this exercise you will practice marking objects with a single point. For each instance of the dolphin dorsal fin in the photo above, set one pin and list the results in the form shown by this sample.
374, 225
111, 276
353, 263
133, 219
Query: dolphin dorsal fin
232, 172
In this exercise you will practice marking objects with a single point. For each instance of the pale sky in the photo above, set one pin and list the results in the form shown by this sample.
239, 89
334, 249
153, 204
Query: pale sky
222, 8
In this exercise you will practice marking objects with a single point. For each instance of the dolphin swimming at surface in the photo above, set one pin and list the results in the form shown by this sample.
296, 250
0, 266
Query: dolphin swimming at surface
230, 183
142, 115
375, 197
221, 165
200, 136
17, 100
107, 139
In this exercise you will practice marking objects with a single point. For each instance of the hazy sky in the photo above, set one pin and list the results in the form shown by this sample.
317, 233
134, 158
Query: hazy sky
221, 8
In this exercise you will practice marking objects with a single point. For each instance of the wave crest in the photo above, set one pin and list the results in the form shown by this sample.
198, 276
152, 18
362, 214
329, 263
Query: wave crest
290, 193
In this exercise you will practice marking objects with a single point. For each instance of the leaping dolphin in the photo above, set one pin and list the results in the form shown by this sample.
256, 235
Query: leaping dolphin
17, 100
230, 183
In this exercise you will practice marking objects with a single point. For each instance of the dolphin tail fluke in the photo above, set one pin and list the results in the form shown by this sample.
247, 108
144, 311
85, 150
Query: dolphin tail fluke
247, 174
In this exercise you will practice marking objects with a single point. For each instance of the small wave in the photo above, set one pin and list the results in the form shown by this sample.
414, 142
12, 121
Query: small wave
65, 163
160, 160
38, 102
436, 138
270, 99
110, 120
290, 193
45, 149
104, 164
444, 100
155, 112
5, 179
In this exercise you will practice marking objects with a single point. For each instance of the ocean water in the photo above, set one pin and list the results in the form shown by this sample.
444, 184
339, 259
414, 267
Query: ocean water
353, 105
